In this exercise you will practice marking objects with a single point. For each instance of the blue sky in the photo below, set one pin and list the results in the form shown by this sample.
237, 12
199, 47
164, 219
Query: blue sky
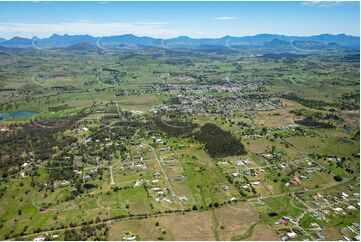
170, 19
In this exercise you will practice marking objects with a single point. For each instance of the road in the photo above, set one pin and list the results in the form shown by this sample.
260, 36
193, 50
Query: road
169, 185
176, 213
309, 190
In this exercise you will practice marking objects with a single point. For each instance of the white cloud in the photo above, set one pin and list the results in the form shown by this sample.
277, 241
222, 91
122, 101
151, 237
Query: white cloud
324, 4
154, 29
226, 18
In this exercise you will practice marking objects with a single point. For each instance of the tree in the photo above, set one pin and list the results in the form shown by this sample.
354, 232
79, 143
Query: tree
337, 178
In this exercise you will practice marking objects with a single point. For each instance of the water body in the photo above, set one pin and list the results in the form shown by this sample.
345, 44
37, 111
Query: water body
17, 114
346, 128
345, 141
88, 186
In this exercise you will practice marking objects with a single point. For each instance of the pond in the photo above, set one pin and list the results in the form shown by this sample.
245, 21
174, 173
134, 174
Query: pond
345, 141
88, 186
17, 114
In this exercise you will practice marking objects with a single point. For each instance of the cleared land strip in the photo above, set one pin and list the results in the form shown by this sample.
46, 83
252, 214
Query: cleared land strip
111, 175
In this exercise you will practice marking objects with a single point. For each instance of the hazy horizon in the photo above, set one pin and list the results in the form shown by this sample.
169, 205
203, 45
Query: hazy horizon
240, 36
173, 19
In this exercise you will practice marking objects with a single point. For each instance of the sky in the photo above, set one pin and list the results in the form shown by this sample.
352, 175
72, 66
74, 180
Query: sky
171, 19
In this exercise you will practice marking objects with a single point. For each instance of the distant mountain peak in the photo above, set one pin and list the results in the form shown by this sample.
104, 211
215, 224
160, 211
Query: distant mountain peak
264, 39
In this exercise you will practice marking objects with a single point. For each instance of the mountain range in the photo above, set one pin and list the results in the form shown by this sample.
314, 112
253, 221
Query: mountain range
269, 40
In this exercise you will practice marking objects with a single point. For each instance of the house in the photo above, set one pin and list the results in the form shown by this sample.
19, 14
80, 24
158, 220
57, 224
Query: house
287, 218
63, 183
87, 177
167, 200
156, 189
136, 112
302, 177
77, 172
316, 204
247, 173
314, 225
235, 174
159, 141
6, 129
344, 195
138, 183
292, 235
259, 203
225, 187
316, 215
320, 236
284, 237
183, 199
338, 209
325, 211
356, 225
39, 239
178, 178
331, 159
308, 171
131, 238
319, 195
350, 207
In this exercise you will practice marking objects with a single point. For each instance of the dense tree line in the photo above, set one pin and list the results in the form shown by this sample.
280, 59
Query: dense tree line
219, 143
174, 127
316, 104
39, 139
99, 232
310, 122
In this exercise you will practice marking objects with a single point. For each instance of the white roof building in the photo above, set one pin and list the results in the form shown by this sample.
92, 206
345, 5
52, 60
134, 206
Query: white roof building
291, 235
